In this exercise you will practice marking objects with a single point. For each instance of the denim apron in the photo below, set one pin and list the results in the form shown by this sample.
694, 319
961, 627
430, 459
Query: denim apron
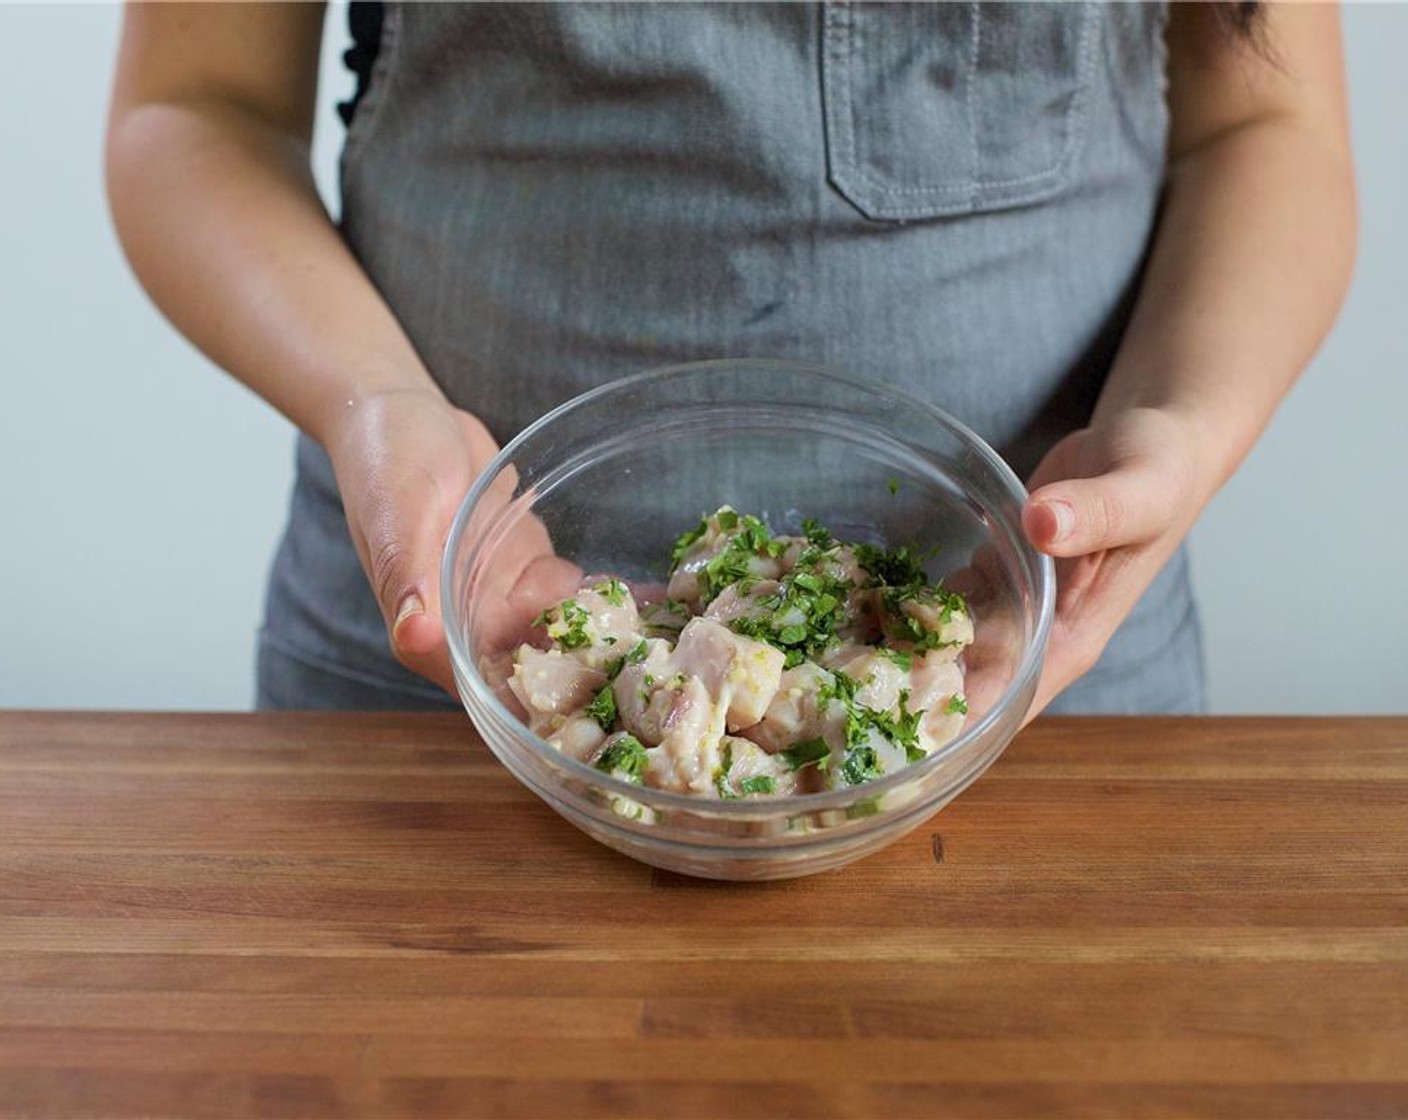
956, 198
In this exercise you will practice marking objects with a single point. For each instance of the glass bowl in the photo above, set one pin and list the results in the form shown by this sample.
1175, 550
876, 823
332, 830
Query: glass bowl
613, 477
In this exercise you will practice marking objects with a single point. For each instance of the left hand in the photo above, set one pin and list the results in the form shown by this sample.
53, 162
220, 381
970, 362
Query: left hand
1111, 502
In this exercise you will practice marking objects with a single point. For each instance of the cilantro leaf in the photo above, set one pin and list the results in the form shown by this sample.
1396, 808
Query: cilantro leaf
805, 752
625, 758
721, 774
603, 708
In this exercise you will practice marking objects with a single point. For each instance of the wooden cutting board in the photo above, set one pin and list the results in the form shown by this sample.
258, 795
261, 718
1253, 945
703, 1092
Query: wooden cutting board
354, 915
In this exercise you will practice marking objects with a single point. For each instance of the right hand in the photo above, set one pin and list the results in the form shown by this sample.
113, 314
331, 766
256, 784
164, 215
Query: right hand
404, 460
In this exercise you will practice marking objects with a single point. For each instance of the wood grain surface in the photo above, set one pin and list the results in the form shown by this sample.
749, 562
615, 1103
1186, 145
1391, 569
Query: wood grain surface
351, 915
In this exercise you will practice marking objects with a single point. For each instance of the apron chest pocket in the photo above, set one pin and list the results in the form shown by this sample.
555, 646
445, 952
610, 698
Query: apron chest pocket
936, 109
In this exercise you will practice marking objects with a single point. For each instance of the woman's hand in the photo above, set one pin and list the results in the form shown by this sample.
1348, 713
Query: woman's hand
404, 461
1111, 502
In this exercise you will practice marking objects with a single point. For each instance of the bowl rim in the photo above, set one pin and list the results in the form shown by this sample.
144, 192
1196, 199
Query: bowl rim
791, 804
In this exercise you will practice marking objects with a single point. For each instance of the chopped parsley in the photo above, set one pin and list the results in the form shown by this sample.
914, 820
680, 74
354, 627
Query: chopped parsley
625, 758
613, 591
957, 705
603, 708
806, 752
758, 783
687, 538
895, 567
748, 540
861, 764
803, 615
569, 628
901, 657
721, 774
893, 485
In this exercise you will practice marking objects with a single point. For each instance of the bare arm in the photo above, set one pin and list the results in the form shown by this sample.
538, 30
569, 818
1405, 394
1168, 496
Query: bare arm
1251, 261
211, 190
209, 182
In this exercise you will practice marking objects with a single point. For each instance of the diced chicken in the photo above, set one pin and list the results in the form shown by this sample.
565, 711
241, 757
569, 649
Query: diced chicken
879, 678
732, 603
863, 616
684, 584
597, 624
874, 757
641, 705
693, 707
796, 712
688, 750
936, 689
933, 614
578, 736
740, 674
552, 683
746, 770
663, 620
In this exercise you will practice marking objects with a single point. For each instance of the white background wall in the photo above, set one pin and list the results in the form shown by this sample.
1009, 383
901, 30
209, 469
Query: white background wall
142, 491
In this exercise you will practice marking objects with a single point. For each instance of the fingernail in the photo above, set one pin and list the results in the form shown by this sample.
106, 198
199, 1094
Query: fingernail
410, 605
1065, 518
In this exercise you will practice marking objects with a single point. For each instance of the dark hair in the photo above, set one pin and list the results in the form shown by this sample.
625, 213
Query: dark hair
1243, 21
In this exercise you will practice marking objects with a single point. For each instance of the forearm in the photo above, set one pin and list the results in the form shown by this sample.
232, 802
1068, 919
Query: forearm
219, 216
1251, 261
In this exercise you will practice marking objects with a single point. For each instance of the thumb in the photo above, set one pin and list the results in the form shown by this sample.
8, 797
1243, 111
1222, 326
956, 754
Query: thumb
404, 571
1079, 516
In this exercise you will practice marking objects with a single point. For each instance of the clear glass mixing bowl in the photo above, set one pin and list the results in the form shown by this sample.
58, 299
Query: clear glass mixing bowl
613, 477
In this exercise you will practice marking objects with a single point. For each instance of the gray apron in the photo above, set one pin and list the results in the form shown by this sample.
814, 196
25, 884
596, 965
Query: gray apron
955, 198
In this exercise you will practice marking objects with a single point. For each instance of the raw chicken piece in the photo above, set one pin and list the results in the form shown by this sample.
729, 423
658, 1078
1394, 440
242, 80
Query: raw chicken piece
732, 603
936, 689
551, 683
713, 541
796, 713
578, 736
640, 705
688, 751
879, 679
746, 770
863, 616
934, 613
740, 674
597, 624
875, 756
663, 620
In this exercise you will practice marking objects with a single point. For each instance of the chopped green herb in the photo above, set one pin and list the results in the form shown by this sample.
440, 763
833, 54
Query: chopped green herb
806, 752
727, 518
613, 591
625, 758
957, 705
894, 485
841, 687
861, 764
903, 658
816, 534
637, 653
758, 783
566, 623
603, 708
896, 568
721, 774
686, 539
